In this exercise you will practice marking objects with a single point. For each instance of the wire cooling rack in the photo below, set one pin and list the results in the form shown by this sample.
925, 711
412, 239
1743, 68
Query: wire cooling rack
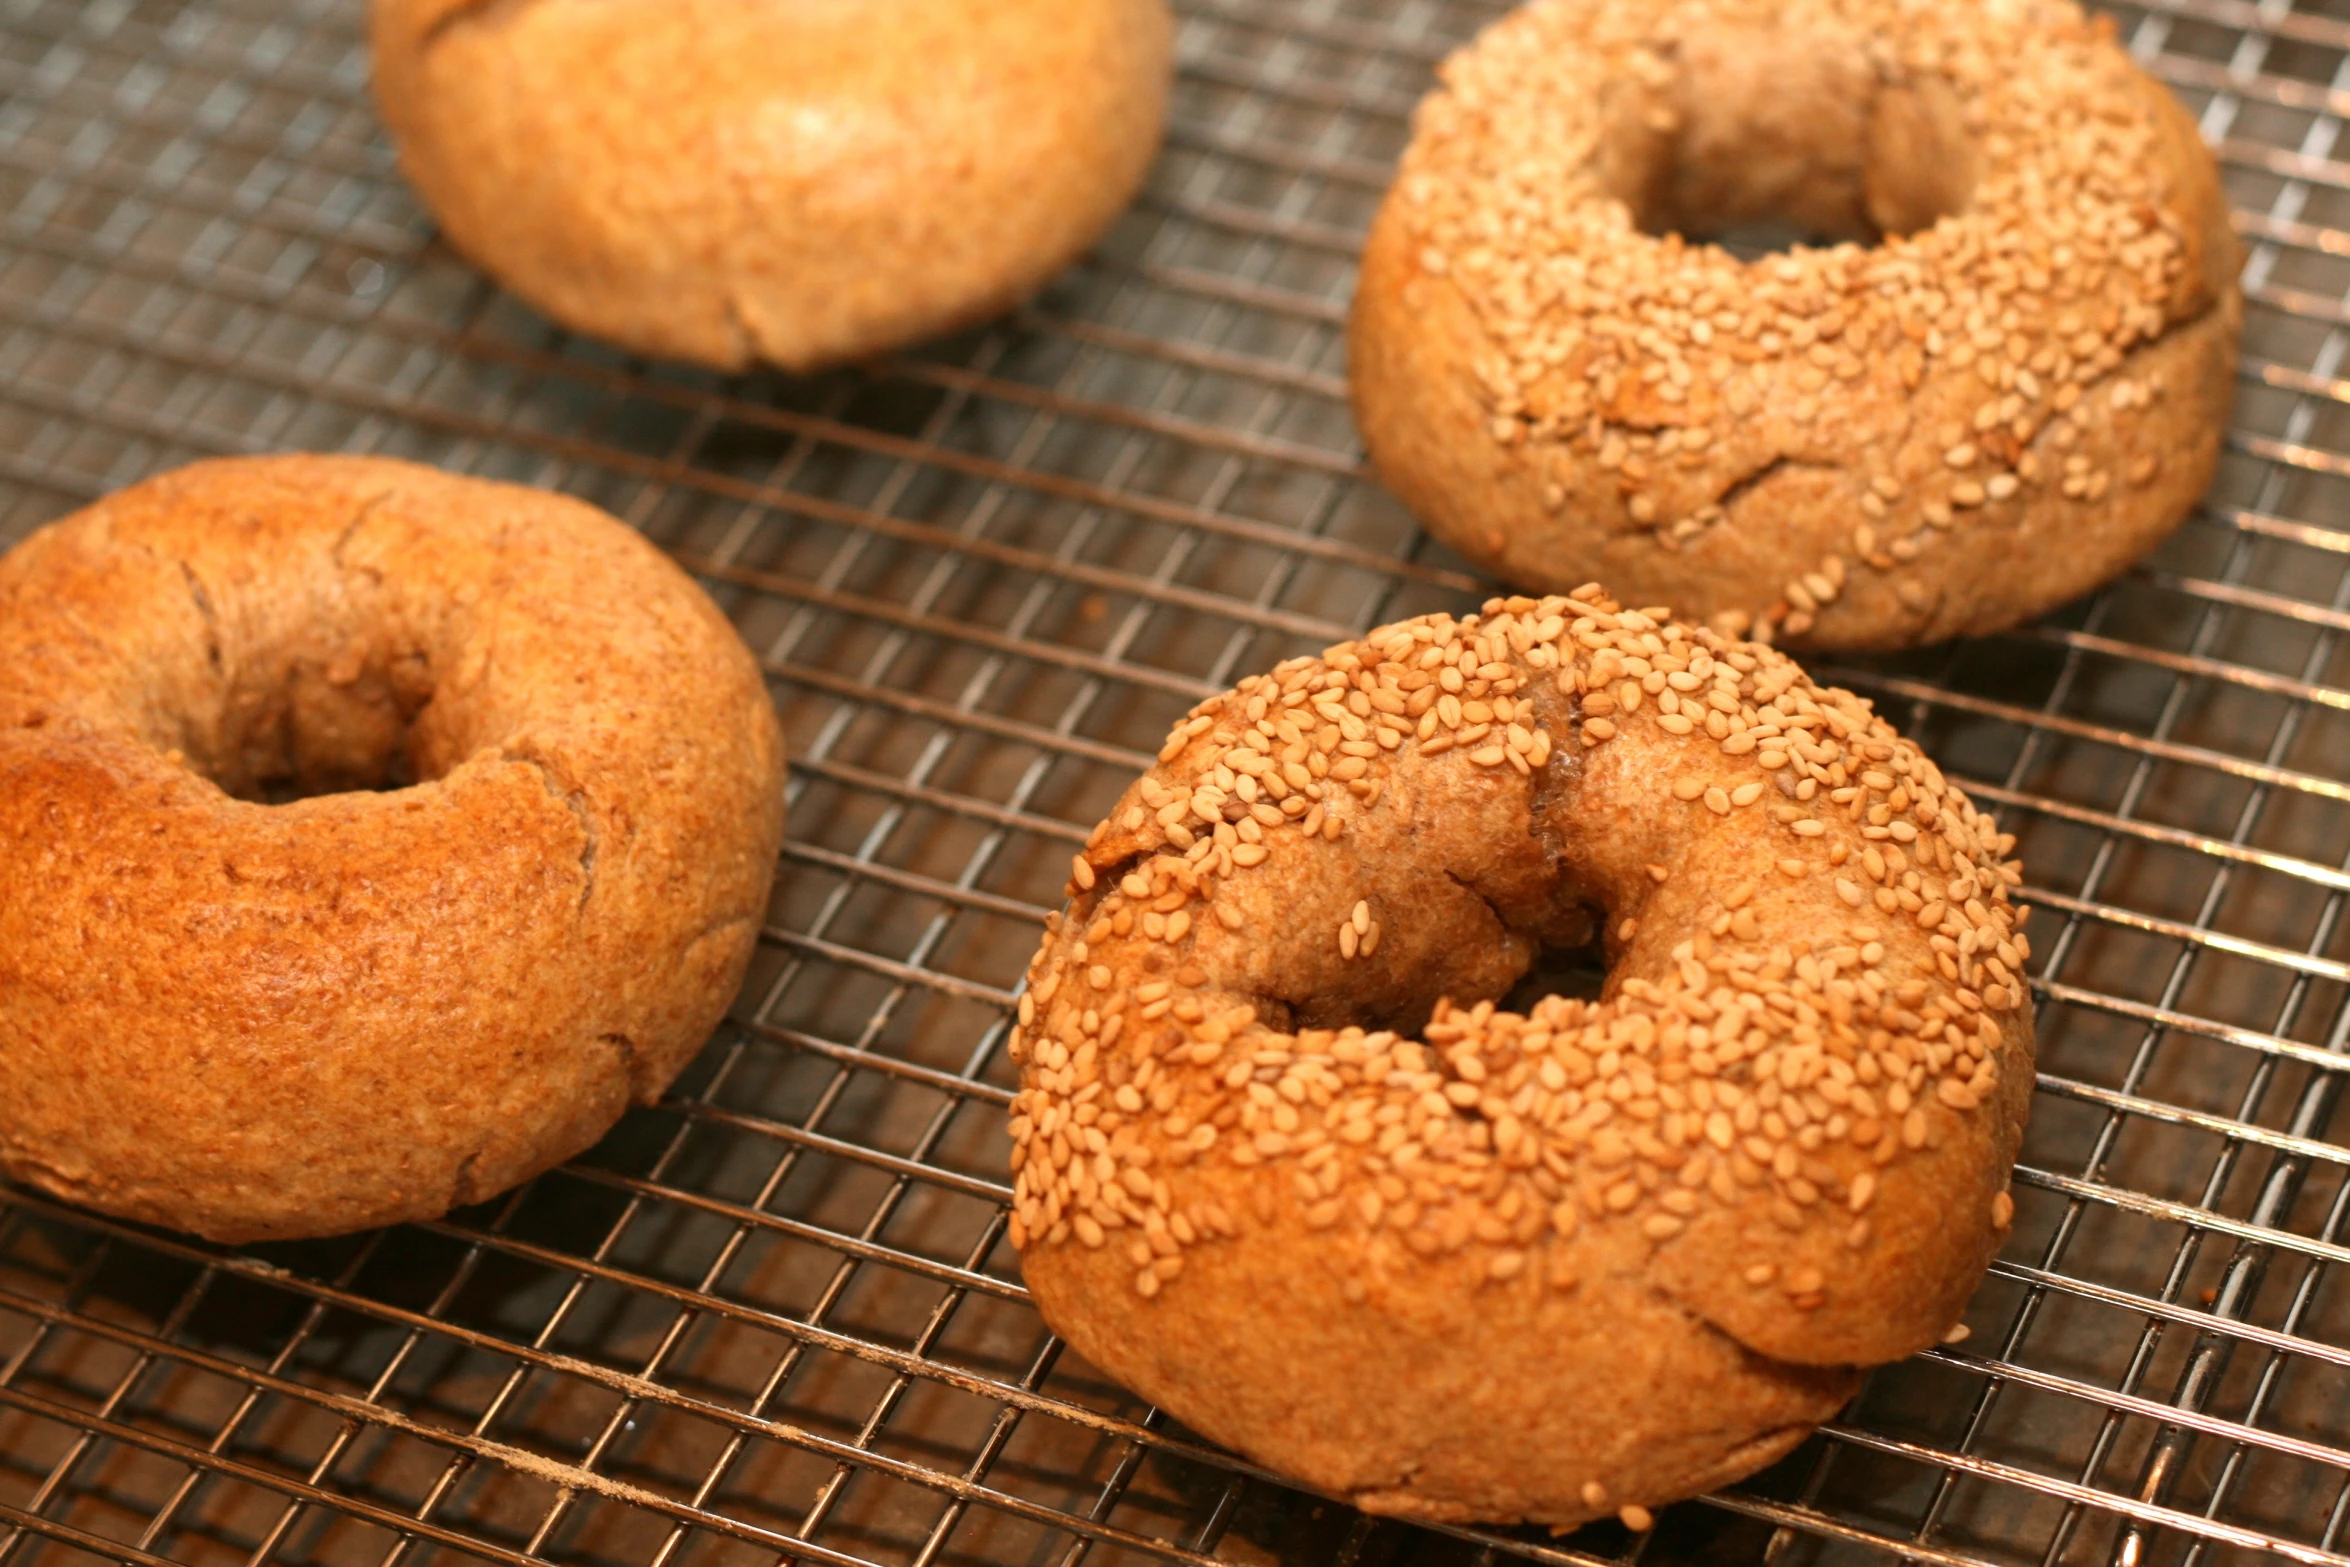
775, 1319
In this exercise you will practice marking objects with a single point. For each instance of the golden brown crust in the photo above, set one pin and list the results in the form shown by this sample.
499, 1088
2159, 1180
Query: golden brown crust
1439, 1396
1846, 447
728, 182
260, 1021
1543, 1266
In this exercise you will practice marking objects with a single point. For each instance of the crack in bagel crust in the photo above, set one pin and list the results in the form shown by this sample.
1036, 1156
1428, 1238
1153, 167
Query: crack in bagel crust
573, 797
1815, 1017
2040, 359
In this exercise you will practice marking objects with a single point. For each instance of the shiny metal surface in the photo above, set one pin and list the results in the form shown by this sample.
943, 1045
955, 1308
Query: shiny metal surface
775, 1319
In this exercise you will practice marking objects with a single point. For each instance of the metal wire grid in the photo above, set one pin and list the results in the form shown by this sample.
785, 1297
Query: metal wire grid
775, 1318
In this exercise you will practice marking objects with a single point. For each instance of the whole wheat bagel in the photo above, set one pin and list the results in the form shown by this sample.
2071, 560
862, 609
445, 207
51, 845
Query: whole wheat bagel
257, 1020
730, 181
2009, 380
1544, 1265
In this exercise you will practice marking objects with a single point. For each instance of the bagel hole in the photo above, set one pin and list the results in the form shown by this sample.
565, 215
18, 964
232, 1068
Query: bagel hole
349, 724
1578, 973
1767, 139
1752, 241
1570, 959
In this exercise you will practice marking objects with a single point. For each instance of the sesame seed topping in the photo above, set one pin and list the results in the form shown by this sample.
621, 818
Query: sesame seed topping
1663, 381
1781, 1049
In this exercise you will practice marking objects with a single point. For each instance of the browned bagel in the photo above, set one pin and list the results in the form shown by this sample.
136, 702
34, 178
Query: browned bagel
2019, 388
730, 181
257, 1021
1543, 1266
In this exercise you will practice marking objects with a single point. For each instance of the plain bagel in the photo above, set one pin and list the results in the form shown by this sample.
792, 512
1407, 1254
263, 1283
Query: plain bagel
543, 800
728, 181
2008, 381
1546, 1265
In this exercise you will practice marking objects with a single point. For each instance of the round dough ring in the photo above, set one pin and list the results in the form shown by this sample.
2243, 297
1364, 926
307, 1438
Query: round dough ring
1996, 407
1551, 1265
732, 182
259, 1021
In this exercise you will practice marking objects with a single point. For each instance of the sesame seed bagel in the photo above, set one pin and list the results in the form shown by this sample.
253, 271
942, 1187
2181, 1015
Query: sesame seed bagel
1284, 1168
735, 181
258, 1021
2005, 381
